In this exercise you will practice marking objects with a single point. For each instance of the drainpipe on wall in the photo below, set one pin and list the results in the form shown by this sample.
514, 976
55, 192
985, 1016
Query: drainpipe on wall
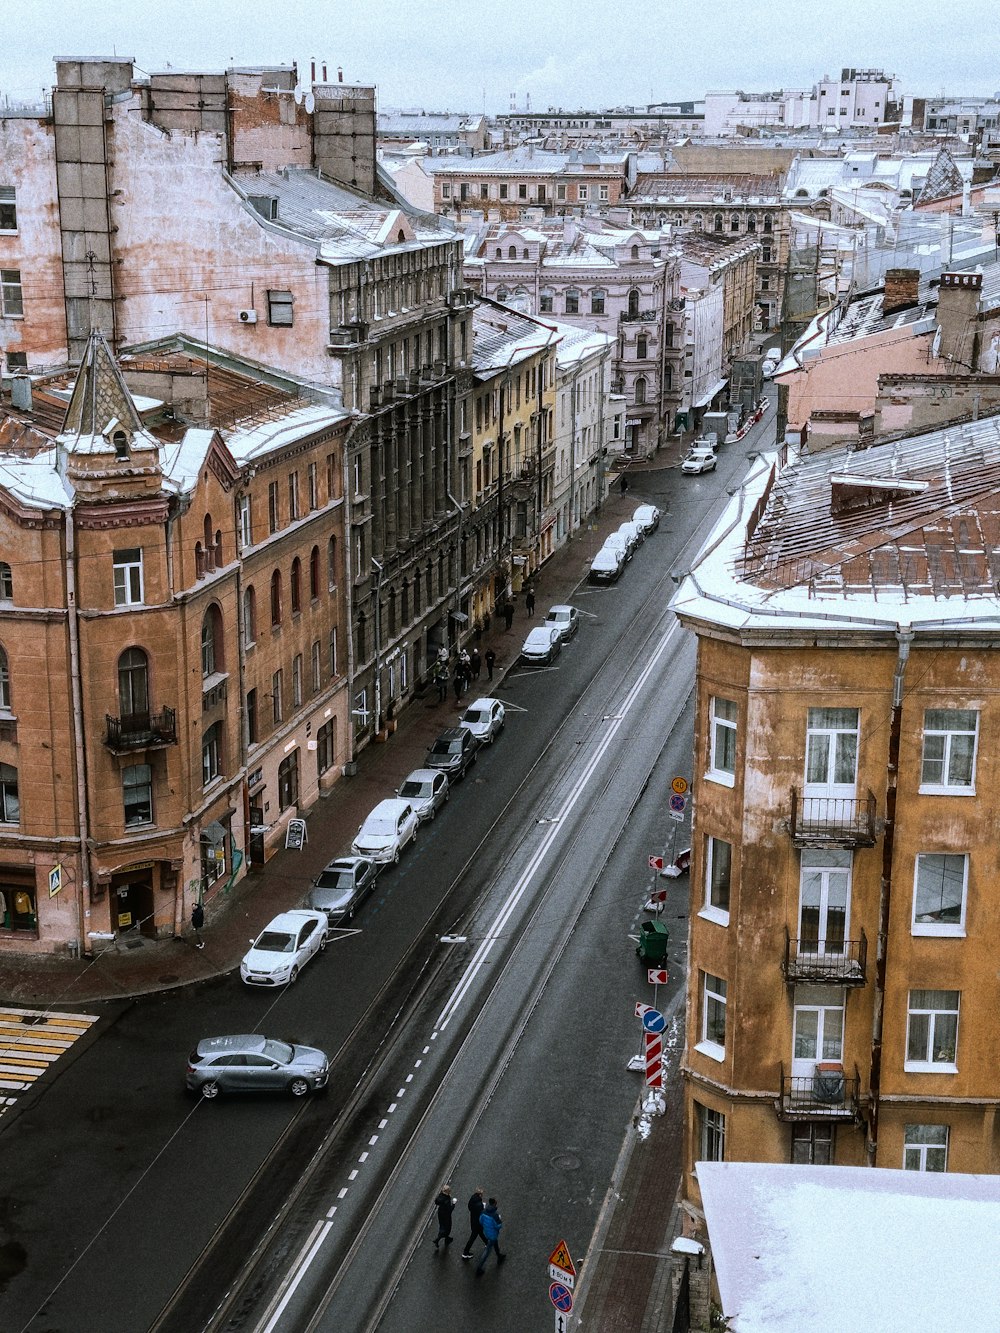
904, 638
76, 694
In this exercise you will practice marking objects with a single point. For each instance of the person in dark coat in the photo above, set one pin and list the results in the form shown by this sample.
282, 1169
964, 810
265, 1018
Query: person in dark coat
491, 658
490, 1221
445, 1205
441, 680
529, 600
477, 1202
197, 921
457, 682
508, 613
475, 663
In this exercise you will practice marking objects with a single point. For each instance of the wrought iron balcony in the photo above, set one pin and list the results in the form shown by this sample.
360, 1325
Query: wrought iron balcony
141, 731
827, 1094
843, 964
832, 821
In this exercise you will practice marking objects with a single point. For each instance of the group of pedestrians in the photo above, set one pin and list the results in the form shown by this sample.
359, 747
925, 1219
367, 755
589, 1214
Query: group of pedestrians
484, 1224
469, 667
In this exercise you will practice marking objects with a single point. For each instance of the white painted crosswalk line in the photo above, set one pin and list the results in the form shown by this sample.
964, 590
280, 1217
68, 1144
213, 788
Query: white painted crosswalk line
31, 1041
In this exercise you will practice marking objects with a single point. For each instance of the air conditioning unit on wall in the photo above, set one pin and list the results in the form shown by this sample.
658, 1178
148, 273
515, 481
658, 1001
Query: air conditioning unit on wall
248, 316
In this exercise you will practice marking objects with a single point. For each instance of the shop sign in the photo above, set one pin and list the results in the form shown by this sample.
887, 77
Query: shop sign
124, 920
255, 777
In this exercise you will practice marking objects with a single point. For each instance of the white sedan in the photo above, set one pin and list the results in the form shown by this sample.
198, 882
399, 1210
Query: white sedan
484, 718
700, 459
283, 948
390, 827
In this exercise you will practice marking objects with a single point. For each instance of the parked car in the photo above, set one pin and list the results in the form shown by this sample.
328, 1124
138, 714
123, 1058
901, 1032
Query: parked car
700, 459
485, 719
255, 1064
283, 948
606, 566
341, 887
566, 619
426, 789
542, 646
387, 831
617, 542
647, 517
454, 751
633, 534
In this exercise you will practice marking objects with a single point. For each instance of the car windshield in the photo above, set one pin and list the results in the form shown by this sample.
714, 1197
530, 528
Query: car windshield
447, 747
378, 828
415, 789
474, 715
276, 941
556, 616
334, 879
279, 1051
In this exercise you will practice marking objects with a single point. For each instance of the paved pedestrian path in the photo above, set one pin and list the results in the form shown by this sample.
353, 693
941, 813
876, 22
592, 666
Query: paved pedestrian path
31, 1041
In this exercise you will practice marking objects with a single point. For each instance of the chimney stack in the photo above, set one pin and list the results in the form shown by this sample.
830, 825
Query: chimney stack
958, 305
901, 289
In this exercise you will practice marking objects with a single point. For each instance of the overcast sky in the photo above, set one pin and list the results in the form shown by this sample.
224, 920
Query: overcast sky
467, 55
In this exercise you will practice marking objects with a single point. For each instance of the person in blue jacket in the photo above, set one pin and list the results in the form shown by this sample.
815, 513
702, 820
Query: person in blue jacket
490, 1222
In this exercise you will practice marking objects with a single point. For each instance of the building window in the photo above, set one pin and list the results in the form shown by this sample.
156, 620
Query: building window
273, 517
331, 564
817, 1030
11, 298
752, 223
572, 301
583, 193
504, 189
639, 390
249, 617
211, 643
940, 883
211, 754
6, 582
824, 902
8, 208
718, 222
711, 1134
633, 303
484, 191
641, 347
925, 1148
245, 523
317, 666
718, 879
832, 750
314, 573
10, 804
295, 584
768, 224
522, 191
4, 682
722, 717
293, 496
326, 745
949, 760
597, 299
297, 681
812, 1144
279, 309
276, 598
765, 254
127, 567
133, 684
312, 486
932, 1031
602, 191
137, 794
445, 190
277, 703
713, 1016
288, 781
734, 222
333, 652
545, 301
251, 711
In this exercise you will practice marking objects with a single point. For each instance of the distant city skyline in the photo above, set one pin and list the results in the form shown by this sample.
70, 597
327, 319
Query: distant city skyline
560, 53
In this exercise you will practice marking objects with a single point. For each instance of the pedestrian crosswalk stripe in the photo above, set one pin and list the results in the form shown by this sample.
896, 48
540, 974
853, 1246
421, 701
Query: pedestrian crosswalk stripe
31, 1041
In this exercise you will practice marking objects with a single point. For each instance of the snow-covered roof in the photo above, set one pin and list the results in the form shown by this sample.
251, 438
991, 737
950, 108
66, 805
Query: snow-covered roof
577, 343
502, 337
904, 533
260, 437
829, 1248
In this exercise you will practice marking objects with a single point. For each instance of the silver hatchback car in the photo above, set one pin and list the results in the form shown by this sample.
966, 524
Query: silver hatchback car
253, 1063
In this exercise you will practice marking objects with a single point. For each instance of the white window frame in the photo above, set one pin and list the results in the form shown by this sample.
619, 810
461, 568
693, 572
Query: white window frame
583, 193
713, 999
722, 732
8, 197
128, 576
931, 927
918, 1147
947, 735
11, 294
833, 736
921, 1012
712, 911
245, 520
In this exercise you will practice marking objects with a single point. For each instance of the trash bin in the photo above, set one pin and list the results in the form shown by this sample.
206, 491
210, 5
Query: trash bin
73, 948
653, 938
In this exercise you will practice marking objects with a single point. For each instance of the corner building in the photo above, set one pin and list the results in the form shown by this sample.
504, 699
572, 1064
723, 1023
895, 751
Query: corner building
845, 881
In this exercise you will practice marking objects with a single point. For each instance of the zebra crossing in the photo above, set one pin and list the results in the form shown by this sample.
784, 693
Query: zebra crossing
31, 1041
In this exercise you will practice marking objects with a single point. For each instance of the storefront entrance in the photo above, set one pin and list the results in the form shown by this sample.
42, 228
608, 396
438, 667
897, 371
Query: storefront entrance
132, 903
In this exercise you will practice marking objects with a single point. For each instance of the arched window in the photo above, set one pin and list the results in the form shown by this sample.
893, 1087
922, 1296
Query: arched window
499, 253
218, 548
133, 683
668, 377
296, 585
633, 303
768, 223
697, 221
502, 295
640, 389
734, 222
10, 804
751, 223
211, 642
331, 564
641, 347
314, 573
512, 252
572, 301
597, 299
635, 252
401, 236
249, 616
6, 582
717, 222
276, 597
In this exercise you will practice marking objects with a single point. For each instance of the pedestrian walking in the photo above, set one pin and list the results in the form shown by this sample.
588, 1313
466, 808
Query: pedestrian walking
529, 600
623, 484
490, 1221
491, 659
477, 1202
197, 921
508, 613
457, 682
476, 662
441, 680
445, 1205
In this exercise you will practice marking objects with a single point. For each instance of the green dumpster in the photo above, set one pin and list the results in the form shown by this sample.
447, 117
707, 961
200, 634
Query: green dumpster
653, 937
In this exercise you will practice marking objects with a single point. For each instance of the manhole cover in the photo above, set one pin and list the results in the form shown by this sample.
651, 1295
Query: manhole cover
566, 1161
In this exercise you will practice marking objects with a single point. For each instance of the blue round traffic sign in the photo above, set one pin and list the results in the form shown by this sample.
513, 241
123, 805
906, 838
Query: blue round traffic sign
653, 1021
561, 1297
678, 803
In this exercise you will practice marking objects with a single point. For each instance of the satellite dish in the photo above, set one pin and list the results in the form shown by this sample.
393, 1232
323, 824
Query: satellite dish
310, 102
299, 94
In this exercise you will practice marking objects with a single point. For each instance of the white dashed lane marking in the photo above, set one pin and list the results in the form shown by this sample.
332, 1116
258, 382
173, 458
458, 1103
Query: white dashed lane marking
32, 1040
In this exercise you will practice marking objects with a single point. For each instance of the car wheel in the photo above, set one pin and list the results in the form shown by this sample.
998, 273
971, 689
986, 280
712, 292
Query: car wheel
209, 1090
322, 944
395, 857
432, 813
298, 1087
293, 976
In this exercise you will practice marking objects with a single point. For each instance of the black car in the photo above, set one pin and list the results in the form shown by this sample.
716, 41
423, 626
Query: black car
454, 751
341, 887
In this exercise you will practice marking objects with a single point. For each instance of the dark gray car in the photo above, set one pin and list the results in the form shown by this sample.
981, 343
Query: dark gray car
341, 887
454, 751
252, 1063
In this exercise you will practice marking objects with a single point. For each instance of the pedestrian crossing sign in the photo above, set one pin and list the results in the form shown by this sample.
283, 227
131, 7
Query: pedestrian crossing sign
560, 1258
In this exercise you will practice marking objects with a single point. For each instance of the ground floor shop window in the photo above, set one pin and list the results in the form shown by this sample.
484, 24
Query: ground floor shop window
925, 1148
326, 745
17, 901
288, 781
213, 853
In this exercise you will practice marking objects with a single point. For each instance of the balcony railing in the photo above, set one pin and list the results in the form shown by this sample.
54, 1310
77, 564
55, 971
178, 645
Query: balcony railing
141, 731
832, 821
827, 1094
843, 964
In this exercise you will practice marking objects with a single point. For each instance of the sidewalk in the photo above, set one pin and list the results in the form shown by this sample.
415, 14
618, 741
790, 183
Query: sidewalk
627, 1285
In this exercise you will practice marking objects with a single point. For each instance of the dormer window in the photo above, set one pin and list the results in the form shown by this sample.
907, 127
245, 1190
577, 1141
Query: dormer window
120, 440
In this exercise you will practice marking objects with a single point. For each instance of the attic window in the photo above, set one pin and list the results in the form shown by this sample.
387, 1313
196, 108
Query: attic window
401, 235
120, 440
848, 493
